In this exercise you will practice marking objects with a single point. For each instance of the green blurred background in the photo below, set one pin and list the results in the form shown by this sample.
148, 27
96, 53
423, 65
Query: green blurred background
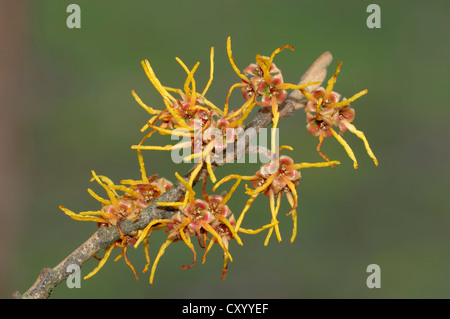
66, 109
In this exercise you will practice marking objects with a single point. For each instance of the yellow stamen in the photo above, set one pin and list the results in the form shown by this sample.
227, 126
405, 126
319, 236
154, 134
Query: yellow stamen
111, 194
207, 150
100, 199
142, 167
308, 95
187, 241
147, 230
125, 190
308, 165
264, 65
211, 243
192, 156
274, 210
147, 135
233, 64
319, 149
100, 213
178, 91
210, 169
294, 217
246, 109
256, 231
130, 182
246, 208
154, 80
81, 217
272, 56
275, 119
228, 196
227, 178
190, 193
146, 246
282, 147
183, 65
289, 86
211, 72
183, 236
332, 81
319, 104
198, 107
180, 227
346, 147
293, 190
114, 187
263, 186
211, 105
175, 204
153, 120
128, 262
147, 108
190, 78
177, 116
353, 98
196, 171
211, 230
161, 148
231, 228
225, 266
175, 132
225, 110
119, 256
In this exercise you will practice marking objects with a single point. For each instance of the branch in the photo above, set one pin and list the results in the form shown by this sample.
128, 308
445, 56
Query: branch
49, 278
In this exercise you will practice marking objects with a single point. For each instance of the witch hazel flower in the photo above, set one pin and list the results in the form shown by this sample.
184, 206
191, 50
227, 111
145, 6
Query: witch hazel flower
324, 111
209, 219
118, 208
262, 84
206, 128
278, 177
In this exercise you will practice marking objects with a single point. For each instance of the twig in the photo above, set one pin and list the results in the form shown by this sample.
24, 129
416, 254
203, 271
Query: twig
49, 278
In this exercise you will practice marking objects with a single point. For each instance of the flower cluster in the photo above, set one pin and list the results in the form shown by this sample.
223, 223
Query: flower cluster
118, 208
324, 110
207, 131
191, 116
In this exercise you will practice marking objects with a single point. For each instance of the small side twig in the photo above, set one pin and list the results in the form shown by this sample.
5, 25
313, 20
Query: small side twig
49, 278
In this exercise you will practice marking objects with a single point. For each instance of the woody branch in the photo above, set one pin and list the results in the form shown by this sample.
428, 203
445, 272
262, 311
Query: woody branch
49, 278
